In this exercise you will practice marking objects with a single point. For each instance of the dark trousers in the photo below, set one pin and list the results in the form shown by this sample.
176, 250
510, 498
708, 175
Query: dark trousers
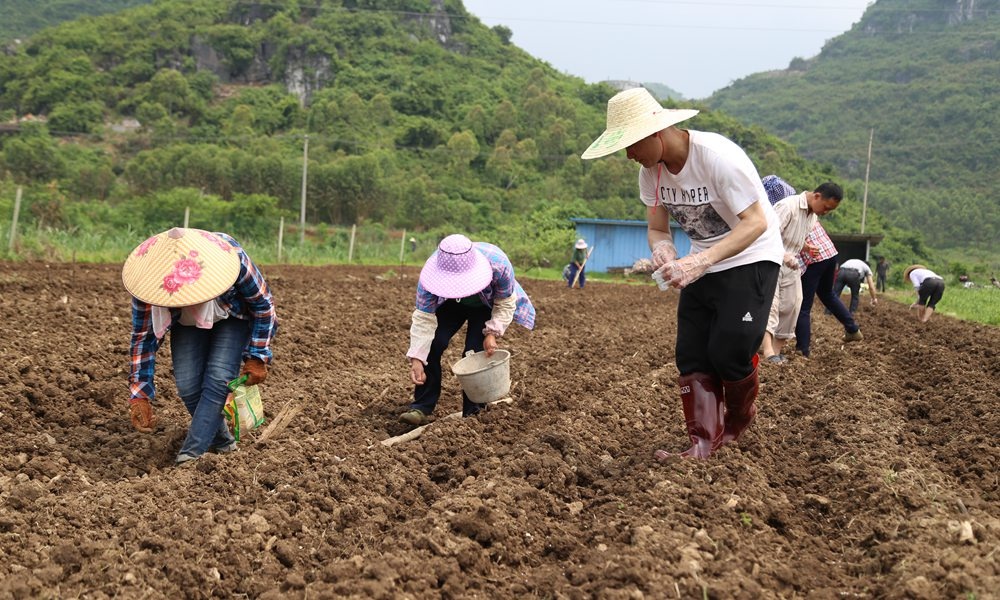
880, 282
930, 292
450, 317
850, 279
818, 281
721, 320
572, 273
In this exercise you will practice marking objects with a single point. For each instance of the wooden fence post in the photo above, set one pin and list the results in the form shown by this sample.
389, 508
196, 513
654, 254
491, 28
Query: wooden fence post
350, 251
13, 221
281, 236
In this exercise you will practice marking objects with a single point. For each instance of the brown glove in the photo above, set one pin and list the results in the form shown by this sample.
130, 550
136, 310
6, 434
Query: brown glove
256, 371
142, 417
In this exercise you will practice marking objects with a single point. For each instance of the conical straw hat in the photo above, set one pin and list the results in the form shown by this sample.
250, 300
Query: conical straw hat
632, 115
181, 267
910, 269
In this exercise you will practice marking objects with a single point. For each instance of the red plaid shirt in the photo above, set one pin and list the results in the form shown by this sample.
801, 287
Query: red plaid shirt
819, 239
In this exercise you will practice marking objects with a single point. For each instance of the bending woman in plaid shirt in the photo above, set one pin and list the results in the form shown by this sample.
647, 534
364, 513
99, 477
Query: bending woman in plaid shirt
206, 291
461, 282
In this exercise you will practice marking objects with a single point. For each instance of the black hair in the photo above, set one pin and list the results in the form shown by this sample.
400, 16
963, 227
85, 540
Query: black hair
830, 190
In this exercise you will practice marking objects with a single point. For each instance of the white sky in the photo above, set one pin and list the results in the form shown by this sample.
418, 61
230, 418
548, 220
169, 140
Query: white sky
695, 46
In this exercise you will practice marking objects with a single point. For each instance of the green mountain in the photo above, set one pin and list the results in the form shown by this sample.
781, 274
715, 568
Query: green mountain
416, 114
19, 19
921, 79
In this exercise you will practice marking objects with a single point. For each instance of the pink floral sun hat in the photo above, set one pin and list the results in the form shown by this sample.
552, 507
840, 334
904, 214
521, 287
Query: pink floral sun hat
181, 267
456, 269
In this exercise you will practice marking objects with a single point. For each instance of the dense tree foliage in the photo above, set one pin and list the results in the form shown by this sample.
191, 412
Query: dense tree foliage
417, 116
21, 18
924, 75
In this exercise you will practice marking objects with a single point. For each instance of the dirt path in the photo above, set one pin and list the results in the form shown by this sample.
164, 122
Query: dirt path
871, 471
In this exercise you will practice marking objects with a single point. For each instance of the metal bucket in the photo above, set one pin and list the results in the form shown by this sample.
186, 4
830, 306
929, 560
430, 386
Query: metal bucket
484, 378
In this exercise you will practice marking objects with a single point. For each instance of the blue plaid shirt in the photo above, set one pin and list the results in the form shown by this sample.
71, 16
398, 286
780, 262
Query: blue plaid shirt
248, 299
503, 286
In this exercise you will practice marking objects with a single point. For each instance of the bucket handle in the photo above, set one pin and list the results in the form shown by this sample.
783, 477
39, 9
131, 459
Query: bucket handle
232, 385
468, 353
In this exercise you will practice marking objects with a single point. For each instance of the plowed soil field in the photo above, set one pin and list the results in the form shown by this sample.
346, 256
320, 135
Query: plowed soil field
871, 471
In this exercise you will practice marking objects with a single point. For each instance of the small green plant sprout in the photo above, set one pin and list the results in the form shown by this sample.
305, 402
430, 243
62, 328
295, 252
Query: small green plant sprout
745, 520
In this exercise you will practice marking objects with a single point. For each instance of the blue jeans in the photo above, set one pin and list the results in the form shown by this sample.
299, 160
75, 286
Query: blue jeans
818, 281
205, 360
572, 273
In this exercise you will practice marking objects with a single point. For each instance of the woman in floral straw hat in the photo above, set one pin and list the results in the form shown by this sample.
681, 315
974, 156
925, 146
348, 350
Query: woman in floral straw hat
462, 282
711, 188
206, 291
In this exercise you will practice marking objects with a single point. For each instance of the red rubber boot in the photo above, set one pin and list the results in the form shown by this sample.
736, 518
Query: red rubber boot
741, 407
703, 414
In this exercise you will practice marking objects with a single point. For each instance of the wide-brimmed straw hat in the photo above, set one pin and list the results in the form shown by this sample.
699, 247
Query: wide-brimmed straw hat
580, 244
181, 267
632, 115
456, 269
910, 269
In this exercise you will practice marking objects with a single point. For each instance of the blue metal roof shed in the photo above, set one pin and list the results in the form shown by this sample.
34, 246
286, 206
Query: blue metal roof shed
619, 243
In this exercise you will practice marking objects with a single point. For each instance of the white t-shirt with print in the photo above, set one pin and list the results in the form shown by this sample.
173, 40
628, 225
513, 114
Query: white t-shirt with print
717, 182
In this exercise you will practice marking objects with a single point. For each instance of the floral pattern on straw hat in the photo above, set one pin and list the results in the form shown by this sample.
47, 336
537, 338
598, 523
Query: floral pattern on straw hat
181, 267
632, 115
456, 269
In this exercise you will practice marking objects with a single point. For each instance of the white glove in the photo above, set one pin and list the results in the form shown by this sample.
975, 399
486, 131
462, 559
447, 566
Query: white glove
663, 252
682, 273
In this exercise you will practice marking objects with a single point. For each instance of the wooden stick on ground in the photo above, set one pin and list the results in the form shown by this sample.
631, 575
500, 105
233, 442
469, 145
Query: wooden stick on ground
415, 433
281, 420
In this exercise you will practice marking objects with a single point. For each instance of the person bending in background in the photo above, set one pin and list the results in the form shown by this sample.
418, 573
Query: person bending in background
850, 275
930, 289
206, 291
797, 215
710, 186
460, 283
577, 265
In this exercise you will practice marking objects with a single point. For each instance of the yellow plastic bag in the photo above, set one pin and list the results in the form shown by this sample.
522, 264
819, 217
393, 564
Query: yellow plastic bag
244, 409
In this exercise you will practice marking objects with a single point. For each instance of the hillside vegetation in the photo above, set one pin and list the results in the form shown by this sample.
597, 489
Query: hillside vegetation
417, 116
925, 76
21, 18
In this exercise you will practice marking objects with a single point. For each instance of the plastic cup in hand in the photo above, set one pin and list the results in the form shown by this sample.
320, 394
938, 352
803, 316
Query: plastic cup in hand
661, 282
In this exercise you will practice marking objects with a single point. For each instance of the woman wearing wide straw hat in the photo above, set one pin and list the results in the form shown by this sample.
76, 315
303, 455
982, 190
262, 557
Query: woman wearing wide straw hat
206, 291
712, 189
462, 282
578, 265
930, 289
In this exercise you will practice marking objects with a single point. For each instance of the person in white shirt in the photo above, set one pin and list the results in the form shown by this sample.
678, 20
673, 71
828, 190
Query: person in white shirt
930, 289
711, 188
850, 275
